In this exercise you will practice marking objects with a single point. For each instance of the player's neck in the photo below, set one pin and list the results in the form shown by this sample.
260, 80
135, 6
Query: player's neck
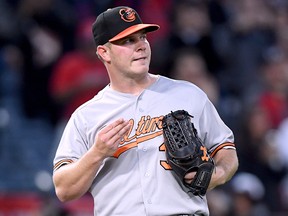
132, 85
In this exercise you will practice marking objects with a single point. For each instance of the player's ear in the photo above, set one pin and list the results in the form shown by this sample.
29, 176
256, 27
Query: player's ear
103, 53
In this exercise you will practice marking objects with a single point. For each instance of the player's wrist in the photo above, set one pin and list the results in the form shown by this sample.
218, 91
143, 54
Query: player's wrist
218, 177
97, 156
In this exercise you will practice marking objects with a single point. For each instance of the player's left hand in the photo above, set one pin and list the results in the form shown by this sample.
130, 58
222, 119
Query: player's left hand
213, 183
189, 177
215, 179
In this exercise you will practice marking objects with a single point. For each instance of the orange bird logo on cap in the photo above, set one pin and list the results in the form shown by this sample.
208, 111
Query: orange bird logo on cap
127, 14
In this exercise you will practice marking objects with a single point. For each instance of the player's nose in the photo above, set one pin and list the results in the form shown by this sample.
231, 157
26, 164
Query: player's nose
141, 45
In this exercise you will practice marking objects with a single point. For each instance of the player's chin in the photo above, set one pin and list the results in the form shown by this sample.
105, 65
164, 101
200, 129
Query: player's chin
140, 69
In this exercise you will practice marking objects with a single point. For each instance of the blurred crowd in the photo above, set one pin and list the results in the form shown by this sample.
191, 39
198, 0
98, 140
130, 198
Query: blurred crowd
235, 50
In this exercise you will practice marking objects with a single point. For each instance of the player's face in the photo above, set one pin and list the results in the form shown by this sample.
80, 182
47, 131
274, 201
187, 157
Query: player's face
131, 55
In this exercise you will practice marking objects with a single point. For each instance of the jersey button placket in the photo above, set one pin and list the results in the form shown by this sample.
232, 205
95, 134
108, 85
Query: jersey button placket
144, 167
147, 174
139, 103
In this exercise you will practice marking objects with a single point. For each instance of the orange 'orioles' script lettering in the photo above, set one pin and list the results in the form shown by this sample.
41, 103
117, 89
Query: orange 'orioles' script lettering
146, 130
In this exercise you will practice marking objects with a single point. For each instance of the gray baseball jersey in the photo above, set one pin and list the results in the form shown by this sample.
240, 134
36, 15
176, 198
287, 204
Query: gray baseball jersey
138, 180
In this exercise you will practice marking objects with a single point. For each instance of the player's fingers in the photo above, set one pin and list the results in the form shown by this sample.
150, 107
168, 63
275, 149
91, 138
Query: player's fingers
116, 129
189, 177
111, 133
112, 125
118, 132
109, 137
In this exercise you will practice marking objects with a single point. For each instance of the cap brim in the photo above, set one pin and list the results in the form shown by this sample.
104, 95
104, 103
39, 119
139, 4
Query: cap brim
133, 29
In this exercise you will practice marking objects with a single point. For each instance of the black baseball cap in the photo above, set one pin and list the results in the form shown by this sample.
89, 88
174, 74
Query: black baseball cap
117, 23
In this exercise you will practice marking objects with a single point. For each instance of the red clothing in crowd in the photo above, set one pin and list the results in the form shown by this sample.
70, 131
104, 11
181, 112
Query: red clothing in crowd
76, 79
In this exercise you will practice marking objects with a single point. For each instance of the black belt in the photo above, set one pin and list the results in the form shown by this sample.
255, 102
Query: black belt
184, 215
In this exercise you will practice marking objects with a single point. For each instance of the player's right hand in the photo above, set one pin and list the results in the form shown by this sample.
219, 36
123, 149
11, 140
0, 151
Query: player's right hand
108, 138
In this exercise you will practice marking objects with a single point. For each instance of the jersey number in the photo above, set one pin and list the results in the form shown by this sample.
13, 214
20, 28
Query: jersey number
164, 163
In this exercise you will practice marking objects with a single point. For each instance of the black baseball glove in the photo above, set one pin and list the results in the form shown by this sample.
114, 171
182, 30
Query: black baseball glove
185, 151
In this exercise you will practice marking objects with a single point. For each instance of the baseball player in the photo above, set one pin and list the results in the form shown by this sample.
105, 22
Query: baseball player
112, 145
